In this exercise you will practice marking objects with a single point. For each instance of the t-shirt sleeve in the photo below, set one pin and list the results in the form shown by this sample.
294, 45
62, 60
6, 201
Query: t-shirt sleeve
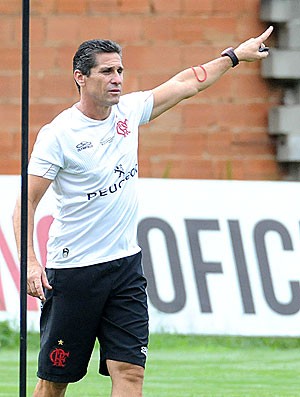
47, 157
139, 105
148, 106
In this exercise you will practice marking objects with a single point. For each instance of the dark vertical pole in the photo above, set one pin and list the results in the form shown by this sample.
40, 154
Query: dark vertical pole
24, 195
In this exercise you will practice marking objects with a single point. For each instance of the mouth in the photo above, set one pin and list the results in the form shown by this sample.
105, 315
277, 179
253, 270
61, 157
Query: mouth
115, 91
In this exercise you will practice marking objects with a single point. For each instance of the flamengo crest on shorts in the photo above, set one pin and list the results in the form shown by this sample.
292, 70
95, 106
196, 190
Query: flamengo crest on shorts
58, 356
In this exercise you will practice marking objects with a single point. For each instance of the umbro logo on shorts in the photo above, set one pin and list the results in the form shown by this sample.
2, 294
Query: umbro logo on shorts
144, 350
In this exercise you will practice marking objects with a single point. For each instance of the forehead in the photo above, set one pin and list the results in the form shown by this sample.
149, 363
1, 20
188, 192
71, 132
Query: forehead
111, 59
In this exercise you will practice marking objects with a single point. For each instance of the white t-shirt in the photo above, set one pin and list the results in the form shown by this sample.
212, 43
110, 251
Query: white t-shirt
94, 168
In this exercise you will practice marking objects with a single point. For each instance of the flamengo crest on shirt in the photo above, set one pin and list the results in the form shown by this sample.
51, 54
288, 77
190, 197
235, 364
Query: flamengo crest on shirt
122, 128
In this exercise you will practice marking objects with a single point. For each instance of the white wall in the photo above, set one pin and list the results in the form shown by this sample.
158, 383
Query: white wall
221, 257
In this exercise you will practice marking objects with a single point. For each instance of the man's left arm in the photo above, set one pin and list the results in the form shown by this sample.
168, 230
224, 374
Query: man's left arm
190, 81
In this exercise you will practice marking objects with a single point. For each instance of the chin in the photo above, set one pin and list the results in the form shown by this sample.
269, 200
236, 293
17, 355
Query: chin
115, 101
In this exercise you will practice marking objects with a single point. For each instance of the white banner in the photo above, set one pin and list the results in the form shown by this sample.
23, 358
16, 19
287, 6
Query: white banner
221, 257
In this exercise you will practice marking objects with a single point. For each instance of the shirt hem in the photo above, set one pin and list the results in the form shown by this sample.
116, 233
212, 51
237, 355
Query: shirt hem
95, 262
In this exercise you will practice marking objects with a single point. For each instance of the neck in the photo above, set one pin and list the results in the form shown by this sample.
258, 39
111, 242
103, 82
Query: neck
94, 112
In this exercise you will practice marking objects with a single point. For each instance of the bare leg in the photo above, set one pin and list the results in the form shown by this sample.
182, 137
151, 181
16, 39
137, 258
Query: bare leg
45, 388
127, 379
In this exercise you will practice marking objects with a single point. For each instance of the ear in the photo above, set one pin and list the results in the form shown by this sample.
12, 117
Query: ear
79, 77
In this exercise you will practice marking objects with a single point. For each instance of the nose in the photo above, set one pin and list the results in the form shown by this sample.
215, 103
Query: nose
117, 78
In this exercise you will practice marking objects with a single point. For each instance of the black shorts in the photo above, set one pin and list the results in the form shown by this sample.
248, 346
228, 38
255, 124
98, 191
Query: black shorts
105, 301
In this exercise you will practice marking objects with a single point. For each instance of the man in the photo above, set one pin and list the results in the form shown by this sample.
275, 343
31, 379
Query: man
93, 286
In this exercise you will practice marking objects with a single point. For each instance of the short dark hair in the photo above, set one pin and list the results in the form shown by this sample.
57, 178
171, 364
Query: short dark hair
85, 57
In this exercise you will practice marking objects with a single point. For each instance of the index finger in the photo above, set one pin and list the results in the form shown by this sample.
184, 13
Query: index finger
39, 290
266, 34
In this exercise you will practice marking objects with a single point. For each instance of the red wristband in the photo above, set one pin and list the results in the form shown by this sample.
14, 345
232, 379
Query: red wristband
197, 77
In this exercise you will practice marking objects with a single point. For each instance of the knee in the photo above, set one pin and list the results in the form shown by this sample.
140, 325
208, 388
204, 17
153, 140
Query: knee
46, 388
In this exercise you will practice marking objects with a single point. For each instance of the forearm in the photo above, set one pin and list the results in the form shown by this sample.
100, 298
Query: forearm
198, 78
30, 228
36, 276
188, 83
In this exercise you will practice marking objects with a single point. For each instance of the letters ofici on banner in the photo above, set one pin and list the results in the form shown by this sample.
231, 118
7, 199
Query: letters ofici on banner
220, 257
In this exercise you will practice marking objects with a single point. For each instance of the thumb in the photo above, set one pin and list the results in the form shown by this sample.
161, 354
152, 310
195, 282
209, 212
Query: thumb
45, 281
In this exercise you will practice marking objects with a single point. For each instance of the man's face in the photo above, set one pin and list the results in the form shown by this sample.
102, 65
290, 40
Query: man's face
104, 84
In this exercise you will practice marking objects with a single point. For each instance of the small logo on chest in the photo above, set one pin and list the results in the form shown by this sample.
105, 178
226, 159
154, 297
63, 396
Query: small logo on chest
84, 145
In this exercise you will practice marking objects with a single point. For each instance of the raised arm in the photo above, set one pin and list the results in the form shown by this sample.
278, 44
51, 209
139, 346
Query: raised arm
190, 81
36, 276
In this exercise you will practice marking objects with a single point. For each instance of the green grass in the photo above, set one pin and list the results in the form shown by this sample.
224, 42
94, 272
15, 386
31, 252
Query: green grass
187, 366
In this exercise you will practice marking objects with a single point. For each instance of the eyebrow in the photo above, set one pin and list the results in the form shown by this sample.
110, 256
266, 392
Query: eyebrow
110, 68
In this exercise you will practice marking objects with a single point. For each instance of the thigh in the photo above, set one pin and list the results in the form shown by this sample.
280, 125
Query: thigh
69, 321
123, 332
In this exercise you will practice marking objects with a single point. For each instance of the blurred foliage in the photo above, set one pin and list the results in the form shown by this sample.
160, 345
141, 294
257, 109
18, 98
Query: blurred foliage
10, 337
